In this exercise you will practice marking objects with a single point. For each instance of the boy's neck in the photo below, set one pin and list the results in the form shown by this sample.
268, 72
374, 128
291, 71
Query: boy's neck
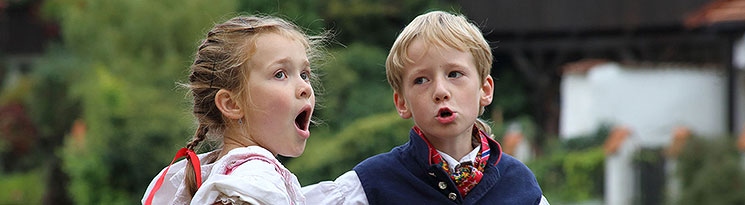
455, 146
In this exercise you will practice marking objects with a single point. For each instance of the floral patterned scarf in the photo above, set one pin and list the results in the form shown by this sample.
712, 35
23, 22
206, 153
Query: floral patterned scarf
467, 174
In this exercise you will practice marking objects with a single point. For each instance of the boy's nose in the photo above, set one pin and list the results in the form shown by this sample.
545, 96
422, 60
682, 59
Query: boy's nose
441, 93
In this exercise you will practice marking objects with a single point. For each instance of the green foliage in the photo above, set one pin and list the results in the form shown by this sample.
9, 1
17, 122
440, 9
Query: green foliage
594, 139
572, 170
327, 158
375, 22
51, 105
117, 66
570, 176
354, 85
510, 95
304, 13
22, 188
710, 172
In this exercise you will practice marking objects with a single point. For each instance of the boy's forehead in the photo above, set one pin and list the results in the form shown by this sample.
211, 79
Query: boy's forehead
419, 49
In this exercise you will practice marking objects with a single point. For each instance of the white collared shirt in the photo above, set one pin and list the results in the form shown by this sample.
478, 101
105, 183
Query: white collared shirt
452, 163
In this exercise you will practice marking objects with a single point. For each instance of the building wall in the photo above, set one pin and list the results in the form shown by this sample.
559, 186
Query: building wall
650, 100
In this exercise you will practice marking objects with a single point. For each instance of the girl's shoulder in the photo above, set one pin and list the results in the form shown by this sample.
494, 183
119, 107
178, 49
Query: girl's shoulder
173, 190
248, 160
249, 174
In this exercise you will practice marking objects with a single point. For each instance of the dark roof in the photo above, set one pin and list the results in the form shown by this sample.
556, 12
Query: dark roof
717, 12
531, 16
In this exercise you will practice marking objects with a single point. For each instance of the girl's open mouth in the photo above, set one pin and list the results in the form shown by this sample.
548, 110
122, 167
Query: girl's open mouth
302, 121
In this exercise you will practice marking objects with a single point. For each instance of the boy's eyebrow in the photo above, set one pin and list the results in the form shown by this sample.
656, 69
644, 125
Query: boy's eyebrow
452, 64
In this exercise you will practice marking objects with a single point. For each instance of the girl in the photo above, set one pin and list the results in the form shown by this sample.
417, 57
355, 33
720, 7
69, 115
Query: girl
252, 95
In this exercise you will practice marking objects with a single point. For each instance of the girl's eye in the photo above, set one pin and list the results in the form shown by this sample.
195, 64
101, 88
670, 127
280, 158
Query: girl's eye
305, 76
280, 75
454, 74
420, 80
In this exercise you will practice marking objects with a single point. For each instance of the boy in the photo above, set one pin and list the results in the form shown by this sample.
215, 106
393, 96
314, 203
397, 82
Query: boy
439, 70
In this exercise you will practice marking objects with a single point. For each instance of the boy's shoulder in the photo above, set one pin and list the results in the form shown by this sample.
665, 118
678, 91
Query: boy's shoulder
515, 173
384, 160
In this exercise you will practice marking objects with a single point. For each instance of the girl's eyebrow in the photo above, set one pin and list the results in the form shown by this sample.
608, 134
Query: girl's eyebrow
280, 61
286, 60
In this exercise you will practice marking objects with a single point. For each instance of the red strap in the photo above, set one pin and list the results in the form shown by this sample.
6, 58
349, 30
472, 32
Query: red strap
181, 153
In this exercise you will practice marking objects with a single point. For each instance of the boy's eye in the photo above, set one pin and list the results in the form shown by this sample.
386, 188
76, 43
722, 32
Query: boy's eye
280, 75
420, 80
454, 74
305, 76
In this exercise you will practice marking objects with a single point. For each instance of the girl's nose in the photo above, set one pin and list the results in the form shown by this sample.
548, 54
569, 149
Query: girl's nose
304, 90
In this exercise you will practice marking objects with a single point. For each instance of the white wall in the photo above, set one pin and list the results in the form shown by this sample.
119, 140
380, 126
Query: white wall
651, 101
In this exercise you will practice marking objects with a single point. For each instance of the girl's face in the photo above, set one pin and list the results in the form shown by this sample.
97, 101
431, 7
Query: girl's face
279, 97
442, 91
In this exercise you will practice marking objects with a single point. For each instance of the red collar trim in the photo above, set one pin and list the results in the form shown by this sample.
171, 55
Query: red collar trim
432, 149
498, 147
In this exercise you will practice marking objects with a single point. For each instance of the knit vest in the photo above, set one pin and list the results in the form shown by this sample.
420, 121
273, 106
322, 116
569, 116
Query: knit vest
404, 176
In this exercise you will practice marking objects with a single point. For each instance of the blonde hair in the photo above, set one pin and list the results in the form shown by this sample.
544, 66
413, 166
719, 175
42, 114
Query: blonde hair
221, 63
441, 29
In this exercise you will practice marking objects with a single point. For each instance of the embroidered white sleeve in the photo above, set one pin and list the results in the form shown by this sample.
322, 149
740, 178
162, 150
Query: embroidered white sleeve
347, 189
544, 201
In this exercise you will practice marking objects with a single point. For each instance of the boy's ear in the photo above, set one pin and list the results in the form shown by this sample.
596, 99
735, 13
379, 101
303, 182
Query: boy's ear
227, 105
400, 102
487, 91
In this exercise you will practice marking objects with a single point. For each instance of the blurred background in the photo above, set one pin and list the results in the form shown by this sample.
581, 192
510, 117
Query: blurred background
607, 101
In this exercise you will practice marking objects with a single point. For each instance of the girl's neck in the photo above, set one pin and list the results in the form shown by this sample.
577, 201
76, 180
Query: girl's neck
233, 139
455, 146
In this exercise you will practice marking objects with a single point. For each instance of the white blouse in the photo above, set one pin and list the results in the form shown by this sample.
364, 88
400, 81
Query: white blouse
246, 175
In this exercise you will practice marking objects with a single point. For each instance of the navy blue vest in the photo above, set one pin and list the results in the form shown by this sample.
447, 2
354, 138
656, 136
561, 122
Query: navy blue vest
404, 176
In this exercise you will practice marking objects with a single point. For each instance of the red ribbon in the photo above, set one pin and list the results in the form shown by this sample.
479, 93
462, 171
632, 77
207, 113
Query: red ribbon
183, 152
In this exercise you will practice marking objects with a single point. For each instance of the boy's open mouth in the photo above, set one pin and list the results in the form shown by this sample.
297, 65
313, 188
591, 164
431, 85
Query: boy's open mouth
302, 119
444, 112
445, 116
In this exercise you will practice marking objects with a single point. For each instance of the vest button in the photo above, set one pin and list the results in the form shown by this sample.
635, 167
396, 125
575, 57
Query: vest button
442, 185
452, 196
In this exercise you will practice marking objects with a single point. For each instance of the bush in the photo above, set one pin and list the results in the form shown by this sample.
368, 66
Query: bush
710, 172
22, 188
570, 176
572, 170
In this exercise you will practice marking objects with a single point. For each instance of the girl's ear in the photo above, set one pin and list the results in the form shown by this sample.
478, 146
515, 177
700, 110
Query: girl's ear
227, 105
401, 107
487, 91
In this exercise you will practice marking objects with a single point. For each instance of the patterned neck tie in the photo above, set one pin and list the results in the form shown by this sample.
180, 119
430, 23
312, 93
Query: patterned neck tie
467, 174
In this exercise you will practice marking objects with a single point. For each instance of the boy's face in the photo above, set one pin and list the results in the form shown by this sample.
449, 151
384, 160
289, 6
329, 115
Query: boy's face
442, 90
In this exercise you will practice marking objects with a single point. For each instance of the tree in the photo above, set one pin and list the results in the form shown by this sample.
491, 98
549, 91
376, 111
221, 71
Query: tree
119, 61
